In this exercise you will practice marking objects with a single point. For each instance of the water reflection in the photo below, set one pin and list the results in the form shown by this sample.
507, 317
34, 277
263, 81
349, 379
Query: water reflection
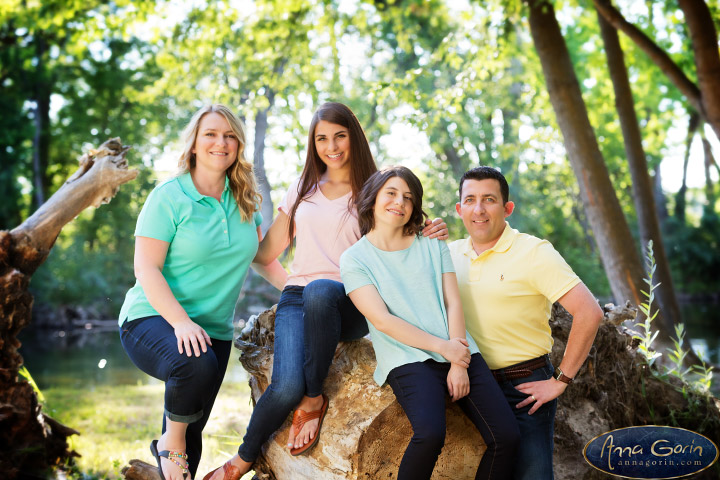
86, 359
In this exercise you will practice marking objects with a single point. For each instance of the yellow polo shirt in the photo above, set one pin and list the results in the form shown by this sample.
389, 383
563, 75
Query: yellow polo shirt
507, 295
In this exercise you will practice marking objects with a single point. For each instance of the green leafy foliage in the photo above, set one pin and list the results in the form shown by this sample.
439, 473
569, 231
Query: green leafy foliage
462, 76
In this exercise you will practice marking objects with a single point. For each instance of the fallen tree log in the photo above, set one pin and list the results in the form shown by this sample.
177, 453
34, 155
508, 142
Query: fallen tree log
365, 432
31, 443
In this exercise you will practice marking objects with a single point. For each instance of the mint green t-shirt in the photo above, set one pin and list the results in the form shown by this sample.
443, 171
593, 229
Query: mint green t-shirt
410, 283
209, 254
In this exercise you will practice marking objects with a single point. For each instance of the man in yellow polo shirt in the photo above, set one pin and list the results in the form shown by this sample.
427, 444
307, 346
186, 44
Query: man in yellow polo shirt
508, 283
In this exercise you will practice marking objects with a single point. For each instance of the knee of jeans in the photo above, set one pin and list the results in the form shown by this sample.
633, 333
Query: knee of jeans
431, 436
287, 392
203, 369
321, 294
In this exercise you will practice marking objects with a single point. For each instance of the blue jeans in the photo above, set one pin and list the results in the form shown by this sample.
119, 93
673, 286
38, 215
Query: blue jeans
309, 323
420, 389
191, 383
535, 454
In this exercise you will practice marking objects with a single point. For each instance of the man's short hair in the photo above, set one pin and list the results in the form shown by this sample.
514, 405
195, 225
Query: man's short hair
483, 173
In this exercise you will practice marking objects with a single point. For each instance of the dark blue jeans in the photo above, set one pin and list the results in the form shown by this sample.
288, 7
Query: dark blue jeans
535, 453
420, 389
309, 323
191, 383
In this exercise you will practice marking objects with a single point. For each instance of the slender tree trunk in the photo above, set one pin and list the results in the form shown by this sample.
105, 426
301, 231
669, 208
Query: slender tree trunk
703, 96
41, 138
641, 183
680, 200
704, 38
261, 126
654, 52
709, 161
617, 248
660, 198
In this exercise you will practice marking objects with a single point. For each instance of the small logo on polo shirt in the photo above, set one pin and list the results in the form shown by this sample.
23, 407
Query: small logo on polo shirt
502, 277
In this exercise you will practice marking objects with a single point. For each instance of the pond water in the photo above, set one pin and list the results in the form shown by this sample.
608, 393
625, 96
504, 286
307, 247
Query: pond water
85, 359
88, 358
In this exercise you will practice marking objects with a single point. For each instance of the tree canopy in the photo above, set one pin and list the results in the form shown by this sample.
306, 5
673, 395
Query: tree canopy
438, 85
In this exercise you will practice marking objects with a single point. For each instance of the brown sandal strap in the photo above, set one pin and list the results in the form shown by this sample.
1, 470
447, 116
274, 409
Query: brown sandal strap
301, 417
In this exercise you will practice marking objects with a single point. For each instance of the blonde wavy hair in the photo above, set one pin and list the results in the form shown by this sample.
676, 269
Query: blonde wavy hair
242, 179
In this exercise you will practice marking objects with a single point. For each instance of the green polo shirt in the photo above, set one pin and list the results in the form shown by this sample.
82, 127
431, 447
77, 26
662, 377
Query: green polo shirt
209, 254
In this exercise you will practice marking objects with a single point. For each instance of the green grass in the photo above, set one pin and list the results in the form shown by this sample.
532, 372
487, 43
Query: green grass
117, 423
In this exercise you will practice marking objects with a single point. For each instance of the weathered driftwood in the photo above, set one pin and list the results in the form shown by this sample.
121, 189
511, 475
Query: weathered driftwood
365, 432
31, 442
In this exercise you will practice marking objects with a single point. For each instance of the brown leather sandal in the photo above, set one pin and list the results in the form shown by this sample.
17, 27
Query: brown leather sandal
230, 472
301, 417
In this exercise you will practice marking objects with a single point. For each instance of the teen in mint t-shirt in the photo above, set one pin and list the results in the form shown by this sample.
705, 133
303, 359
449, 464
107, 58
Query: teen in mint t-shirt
405, 286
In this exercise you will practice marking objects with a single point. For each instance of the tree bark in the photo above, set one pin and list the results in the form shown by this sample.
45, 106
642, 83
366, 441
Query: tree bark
641, 183
31, 442
619, 255
707, 58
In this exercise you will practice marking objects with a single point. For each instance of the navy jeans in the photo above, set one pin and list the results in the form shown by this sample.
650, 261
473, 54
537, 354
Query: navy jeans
309, 323
535, 454
420, 389
191, 383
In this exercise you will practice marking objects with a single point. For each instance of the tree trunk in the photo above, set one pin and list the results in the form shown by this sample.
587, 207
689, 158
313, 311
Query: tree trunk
707, 58
660, 198
261, 126
31, 442
680, 197
41, 137
617, 248
654, 52
641, 183
709, 162
705, 96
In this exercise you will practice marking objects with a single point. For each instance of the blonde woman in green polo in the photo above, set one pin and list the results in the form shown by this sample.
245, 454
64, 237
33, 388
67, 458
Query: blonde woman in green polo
195, 239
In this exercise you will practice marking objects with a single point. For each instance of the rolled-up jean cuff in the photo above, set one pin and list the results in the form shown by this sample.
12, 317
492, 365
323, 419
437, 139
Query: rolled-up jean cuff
184, 418
244, 456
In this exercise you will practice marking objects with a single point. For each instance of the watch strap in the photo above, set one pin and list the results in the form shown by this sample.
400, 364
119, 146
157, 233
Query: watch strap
561, 377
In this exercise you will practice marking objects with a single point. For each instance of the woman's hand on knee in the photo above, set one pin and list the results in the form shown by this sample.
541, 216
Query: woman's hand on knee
191, 338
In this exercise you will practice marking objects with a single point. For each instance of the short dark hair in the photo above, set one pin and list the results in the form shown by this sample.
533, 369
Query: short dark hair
483, 173
366, 200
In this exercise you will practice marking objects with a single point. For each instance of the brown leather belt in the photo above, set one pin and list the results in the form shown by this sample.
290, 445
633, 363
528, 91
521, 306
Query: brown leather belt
519, 370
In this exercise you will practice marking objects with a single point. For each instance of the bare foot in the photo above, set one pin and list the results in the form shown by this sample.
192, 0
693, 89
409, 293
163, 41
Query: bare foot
241, 468
309, 430
171, 471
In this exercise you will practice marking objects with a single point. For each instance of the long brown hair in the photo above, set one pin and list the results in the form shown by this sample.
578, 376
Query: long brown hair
362, 164
242, 180
368, 195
